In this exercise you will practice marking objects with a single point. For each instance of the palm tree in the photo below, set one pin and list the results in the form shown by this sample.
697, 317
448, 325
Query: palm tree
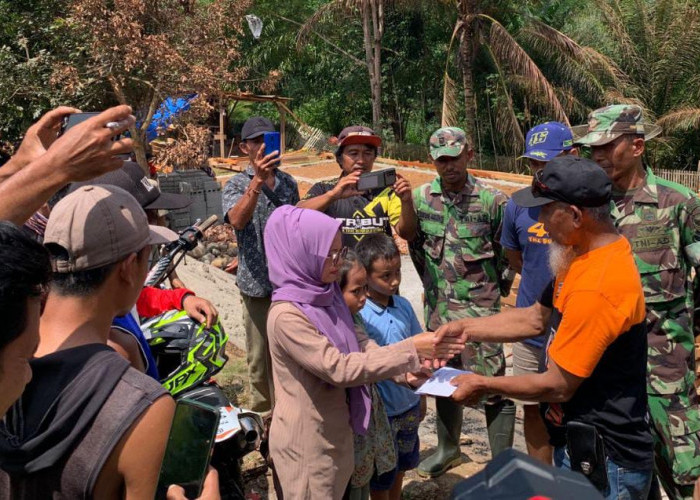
481, 34
655, 47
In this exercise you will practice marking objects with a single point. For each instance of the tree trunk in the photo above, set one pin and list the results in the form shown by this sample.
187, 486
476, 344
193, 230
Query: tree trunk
373, 30
140, 152
467, 54
138, 134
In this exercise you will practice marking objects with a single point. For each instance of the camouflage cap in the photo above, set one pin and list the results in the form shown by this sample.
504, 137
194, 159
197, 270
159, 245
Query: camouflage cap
447, 141
610, 122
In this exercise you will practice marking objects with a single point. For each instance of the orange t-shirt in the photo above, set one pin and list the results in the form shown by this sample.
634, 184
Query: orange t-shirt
600, 297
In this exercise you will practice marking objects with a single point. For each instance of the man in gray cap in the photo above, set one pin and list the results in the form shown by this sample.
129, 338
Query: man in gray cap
126, 334
249, 199
88, 424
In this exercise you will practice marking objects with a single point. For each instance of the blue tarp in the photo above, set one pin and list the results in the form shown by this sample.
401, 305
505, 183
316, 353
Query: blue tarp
167, 112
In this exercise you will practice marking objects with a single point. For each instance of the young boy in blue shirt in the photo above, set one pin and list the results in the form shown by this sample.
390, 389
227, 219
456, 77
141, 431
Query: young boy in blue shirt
389, 318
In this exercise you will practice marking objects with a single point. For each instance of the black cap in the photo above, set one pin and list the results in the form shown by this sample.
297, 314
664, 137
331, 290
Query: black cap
570, 179
132, 180
255, 127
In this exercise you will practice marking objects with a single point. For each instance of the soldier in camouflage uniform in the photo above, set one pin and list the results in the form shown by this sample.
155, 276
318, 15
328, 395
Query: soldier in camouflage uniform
661, 219
457, 253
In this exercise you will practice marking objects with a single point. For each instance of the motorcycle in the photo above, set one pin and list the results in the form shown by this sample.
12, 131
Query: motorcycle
188, 355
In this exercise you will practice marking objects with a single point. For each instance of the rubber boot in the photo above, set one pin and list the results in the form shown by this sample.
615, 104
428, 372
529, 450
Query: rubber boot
500, 425
449, 428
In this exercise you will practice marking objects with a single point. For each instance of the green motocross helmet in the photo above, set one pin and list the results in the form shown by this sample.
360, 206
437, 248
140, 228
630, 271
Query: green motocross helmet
186, 352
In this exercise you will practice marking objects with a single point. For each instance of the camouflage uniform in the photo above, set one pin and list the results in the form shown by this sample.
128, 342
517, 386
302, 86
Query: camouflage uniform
460, 261
661, 220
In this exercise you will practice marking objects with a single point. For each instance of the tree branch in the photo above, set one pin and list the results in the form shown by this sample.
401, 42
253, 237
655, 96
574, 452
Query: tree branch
324, 39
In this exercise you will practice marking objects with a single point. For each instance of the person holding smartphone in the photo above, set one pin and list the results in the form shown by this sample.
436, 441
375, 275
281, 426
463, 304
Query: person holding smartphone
368, 212
248, 201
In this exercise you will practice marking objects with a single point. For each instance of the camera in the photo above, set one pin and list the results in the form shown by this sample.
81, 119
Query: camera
376, 180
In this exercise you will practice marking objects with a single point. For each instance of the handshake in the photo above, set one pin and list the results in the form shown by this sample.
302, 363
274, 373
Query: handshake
435, 349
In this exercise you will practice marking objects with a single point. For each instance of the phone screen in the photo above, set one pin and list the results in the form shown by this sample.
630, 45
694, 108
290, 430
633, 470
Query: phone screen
76, 118
272, 142
189, 448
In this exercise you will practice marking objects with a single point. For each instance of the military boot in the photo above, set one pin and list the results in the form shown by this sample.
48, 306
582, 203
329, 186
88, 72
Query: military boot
500, 425
449, 428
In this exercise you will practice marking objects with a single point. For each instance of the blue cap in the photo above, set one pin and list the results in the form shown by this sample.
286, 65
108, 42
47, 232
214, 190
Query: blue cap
546, 141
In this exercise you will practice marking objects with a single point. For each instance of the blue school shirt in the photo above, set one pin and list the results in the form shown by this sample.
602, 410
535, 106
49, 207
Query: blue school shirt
386, 326
522, 232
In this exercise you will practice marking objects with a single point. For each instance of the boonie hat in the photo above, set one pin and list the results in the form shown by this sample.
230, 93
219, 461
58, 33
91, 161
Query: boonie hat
99, 225
132, 180
357, 134
256, 126
447, 141
610, 122
546, 141
571, 179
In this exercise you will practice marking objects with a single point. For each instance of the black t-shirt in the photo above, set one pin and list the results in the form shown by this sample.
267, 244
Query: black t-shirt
613, 398
373, 212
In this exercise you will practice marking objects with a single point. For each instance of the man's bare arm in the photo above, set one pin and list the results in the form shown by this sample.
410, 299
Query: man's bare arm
556, 385
407, 225
131, 471
83, 152
37, 140
511, 325
515, 260
264, 166
345, 188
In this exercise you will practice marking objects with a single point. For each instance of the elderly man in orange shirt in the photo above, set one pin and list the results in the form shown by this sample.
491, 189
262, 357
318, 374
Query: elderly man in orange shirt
592, 381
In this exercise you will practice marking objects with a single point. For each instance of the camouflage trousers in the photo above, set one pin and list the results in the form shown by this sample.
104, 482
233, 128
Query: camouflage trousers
483, 358
676, 431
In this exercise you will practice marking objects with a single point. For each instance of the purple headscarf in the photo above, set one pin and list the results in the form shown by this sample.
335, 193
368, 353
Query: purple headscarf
297, 242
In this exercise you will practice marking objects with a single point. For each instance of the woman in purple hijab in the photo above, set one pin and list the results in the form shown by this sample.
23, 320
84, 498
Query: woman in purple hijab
320, 364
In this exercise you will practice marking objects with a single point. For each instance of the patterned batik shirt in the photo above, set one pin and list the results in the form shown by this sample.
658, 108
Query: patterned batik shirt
252, 277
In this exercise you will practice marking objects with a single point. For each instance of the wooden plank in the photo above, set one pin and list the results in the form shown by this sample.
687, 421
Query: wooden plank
283, 128
222, 131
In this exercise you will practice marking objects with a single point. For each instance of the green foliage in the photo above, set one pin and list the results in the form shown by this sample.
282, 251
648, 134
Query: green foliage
592, 52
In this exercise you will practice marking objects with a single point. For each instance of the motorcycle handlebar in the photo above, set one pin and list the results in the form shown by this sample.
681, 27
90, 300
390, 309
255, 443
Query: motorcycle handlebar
203, 226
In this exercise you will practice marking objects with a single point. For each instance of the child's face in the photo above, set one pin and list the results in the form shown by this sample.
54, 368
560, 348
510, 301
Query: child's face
355, 289
384, 276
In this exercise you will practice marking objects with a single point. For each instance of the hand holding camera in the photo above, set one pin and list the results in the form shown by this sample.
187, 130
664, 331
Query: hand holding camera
346, 187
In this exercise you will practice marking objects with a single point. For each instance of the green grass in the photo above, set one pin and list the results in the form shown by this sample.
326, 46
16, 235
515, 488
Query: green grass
233, 378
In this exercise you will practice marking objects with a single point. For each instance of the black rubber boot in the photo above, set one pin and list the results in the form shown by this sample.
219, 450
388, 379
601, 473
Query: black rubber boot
500, 424
449, 428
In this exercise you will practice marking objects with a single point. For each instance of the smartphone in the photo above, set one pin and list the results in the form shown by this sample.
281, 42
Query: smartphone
377, 180
189, 448
73, 119
272, 142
